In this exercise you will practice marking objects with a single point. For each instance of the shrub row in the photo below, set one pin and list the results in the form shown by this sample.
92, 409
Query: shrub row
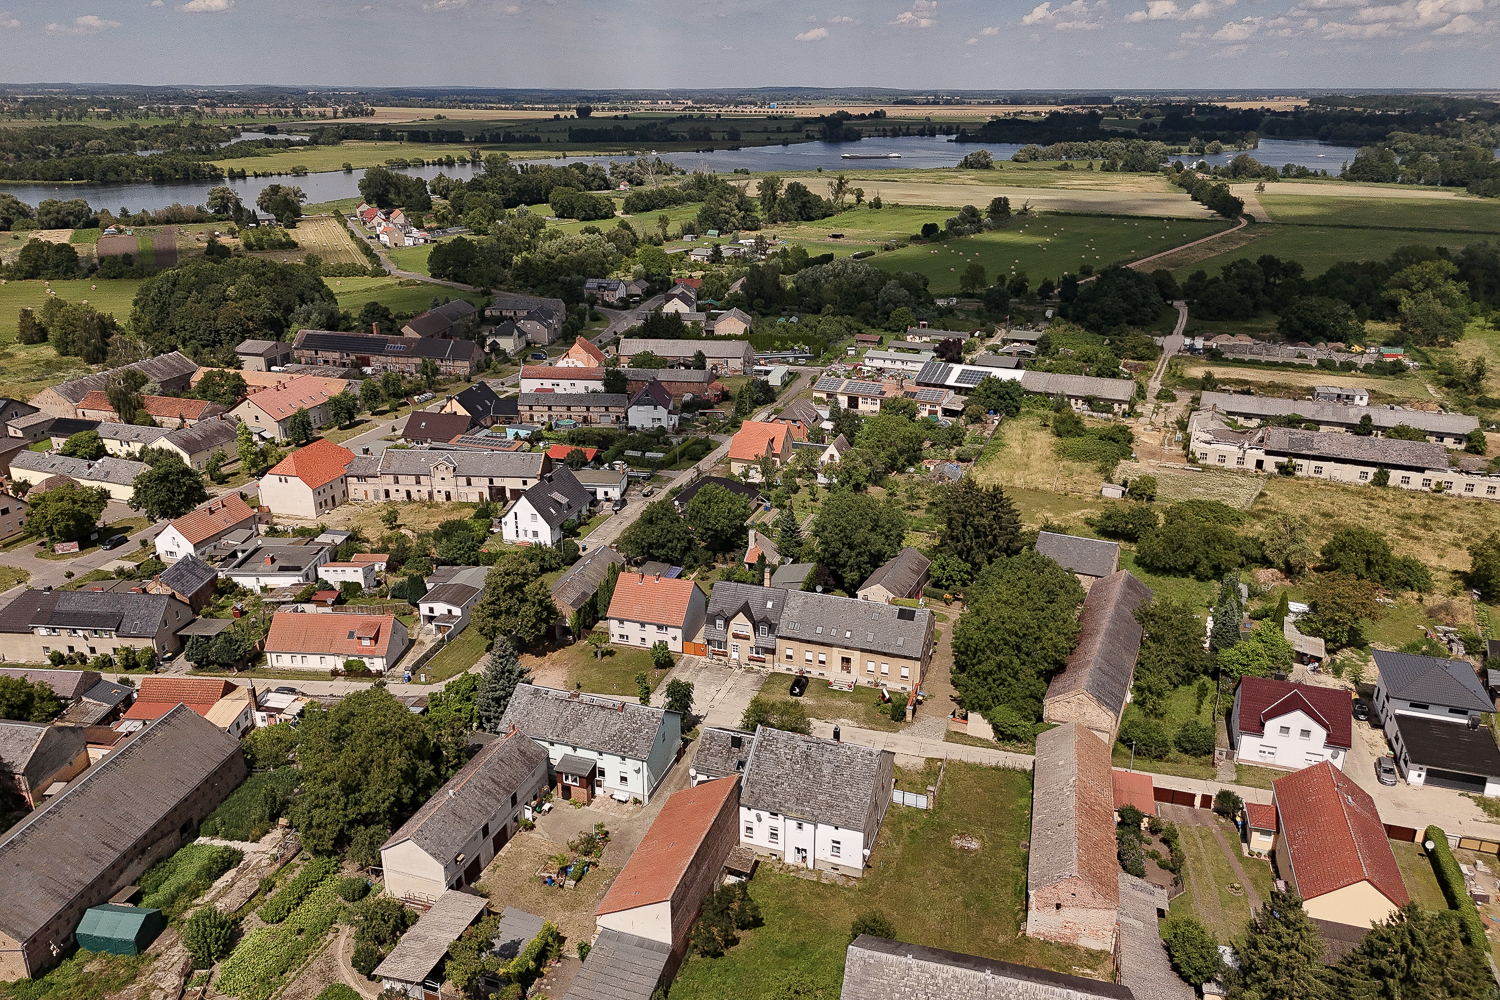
172, 884
313, 874
527, 966
258, 966
250, 810
1445, 867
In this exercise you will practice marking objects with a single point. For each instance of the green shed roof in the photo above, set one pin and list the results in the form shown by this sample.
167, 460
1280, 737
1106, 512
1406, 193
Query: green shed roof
119, 930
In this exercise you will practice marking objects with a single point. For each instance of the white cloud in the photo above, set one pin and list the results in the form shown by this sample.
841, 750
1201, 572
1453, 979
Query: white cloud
88, 24
158, 3
1079, 15
1168, 10
923, 14
1463, 24
841, 19
445, 5
6, 21
1336, 31
1388, 20
512, 9
1238, 31
972, 41
813, 35
206, 6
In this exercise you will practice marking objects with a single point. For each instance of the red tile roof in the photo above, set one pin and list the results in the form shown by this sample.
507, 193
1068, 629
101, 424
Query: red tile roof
1133, 788
1261, 817
337, 635
754, 439
1333, 834
167, 407
558, 452
587, 347
652, 599
670, 846
361, 558
159, 695
562, 372
318, 464
1262, 699
213, 518
300, 393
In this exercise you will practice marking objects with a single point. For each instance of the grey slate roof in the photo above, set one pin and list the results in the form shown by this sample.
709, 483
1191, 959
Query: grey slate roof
852, 623
792, 575
583, 579
901, 574
721, 349
28, 604
1087, 556
1430, 679
127, 614
480, 401
37, 751
604, 725
811, 779
1113, 390
665, 375
425, 944
66, 684
58, 851
996, 361
261, 348
620, 967
1103, 662
456, 594
187, 575
96, 704
131, 434
409, 462
437, 348
117, 471
516, 929
653, 394
558, 497
1142, 959
206, 435
159, 369
1262, 407
718, 757
1449, 746
574, 399
759, 604
456, 811
1352, 448
881, 969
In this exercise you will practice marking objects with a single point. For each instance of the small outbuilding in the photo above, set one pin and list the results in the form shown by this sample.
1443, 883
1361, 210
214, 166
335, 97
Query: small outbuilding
413, 968
119, 930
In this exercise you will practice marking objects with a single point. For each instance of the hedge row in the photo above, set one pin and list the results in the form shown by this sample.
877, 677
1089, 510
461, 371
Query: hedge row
313, 874
1451, 878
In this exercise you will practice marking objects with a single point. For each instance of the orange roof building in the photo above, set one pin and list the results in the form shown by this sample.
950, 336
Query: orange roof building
676, 866
646, 610
558, 452
167, 411
309, 482
269, 411
1134, 788
583, 354
321, 641
220, 701
197, 531
753, 441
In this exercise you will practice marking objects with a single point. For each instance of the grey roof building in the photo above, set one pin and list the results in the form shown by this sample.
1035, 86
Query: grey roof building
1087, 557
1446, 427
205, 436
1093, 688
171, 371
34, 754
621, 728
135, 806
1431, 680
792, 575
882, 969
110, 470
422, 948
1352, 448
69, 685
125, 615
188, 575
847, 621
1140, 956
130, 435
760, 606
722, 753
620, 966
558, 497
409, 462
1119, 391
685, 495
582, 580
484, 406
592, 399
901, 577
97, 705
835, 784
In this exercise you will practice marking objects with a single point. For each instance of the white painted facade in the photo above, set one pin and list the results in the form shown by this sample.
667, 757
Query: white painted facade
632, 777
1291, 741
802, 843
647, 415
522, 523
340, 573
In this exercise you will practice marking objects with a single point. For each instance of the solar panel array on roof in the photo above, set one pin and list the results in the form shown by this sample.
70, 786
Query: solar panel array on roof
828, 383
930, 395
864, 388
970, 377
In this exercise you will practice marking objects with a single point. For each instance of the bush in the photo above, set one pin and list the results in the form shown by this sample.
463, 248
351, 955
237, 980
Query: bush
1451, 878
353, 889
253, 808
1192, 949
1010, 726
1126, 521
1149, 736
206, 936
313, 874
1195, 738
338, 991
366, 958
1131, 817
874, 923
172, 884
898, 710
1128, 848
1227, 803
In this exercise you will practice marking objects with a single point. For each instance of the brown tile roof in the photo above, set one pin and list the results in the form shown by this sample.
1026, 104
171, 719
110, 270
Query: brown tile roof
1072, 813
338, 635
159, 695
317, 464
1134, 788
652, 599
1261, 817
756, 439
1333, 834
670, 846
214, 519
585, 346
1109, 639
295, 394
168, 407
1263, 698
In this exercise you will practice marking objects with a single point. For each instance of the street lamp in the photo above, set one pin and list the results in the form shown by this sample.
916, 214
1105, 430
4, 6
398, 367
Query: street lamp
1132, 755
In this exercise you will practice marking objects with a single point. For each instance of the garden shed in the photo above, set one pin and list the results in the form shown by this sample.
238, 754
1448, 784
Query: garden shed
119, 930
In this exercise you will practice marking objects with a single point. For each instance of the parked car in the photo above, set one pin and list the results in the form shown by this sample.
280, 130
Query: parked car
1361, 710
1385, 770
114, 543
538, 356
648, 491
799, 685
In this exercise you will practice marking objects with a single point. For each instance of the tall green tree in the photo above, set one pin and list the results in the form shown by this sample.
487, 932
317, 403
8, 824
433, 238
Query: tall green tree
299, 428
659, 534
370, 394
1280, 955
1366, 555
222, 386
1415, 953
856, 534
517, 602
85, 444
67, 513
342, 408
893, 441
788, 531
1228, 612
1192, 949
501, 675
1484, 567
168, 490
1263, 653
1339, 603
1172, 652
718, 518
24, 701
980, 523
680, 697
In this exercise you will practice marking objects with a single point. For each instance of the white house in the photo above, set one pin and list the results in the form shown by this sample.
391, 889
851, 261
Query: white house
651, 408
446, 607
814, 803
597, 745
1431, 709
646, 610
339, 573
1291, 726
539, 516
196, 532
607, 485
309, 482
274, 562
321, 642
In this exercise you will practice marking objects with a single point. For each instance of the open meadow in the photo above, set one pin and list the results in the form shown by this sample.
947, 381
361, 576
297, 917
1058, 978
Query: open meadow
400, 295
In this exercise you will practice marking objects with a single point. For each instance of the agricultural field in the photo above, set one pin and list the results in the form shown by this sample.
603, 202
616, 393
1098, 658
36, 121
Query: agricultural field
324, 235
318, 159
401, 295
113, 296
413, 259
1316, 247
1474, 215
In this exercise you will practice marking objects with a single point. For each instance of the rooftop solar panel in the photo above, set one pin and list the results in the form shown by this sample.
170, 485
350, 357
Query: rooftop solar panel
864, 388
970, 376
931, 395
828, 383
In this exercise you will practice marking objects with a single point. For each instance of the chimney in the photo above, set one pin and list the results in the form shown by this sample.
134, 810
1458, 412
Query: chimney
375, 329
270, 560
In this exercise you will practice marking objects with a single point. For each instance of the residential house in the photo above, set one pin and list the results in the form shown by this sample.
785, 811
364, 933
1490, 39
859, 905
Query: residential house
339, 573
263, 355
414, 968
583, 354
446, 320
427, 428
541, 319
814, 803
732, 323
35, 756
608, 290
743, 622
902, 577
1332, 850
387, 354
168, 411
155, 789
309, 482
269, 412
561, 378
191, 580
198, 531
507, 337
896, 361
172, 371
761, 546
465, 476
482, 406
1094, 687
756, 441
120, 440
1448, 429
685, 495
36, 622
1072, 889
269, 563
1431, 709
722, 753
1286, 725
446, 607
13, 409
449, 842
1089, 559
803, 418
220, 701
646, 610
683, 383
680, 299
727, 357
13, 511
320, 642
542, 512
115, 475
568, 409
881, 969
196, 444
597, 745
860, 395
577, 588
659, 893
651, 408
606, 485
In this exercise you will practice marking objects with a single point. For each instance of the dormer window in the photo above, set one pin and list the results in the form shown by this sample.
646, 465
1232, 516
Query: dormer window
719, 624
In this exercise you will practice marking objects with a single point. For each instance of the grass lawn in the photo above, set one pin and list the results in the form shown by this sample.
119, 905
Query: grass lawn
400, 295
1208, 876
983, 894
10, 576
1195, 593
1176, 765
1045, 246
1475, 215
1416, 872
411, 258
1256, 777
361, 154
458, 656
1020, 457
127, 526
613, 675
80, 237
857, 706
1317, 247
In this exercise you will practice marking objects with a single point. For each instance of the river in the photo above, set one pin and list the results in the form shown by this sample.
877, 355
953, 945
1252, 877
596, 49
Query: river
917, 152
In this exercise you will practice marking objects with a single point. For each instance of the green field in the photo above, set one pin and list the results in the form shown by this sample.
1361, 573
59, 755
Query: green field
1045, 247
412, 259
1318, 249
400, 295
1474, 215
318, 159
106, 296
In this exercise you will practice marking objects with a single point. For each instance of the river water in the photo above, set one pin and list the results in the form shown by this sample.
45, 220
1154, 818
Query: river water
916, 152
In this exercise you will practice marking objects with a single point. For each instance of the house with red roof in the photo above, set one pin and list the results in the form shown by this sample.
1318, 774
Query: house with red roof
309, 482
583, 354
322, 641
754, 441
196, 532
648, 609
167, 411
269, 412
220, 701
1134, 788
559, 452
1333, 850
1260, 828
1290, 726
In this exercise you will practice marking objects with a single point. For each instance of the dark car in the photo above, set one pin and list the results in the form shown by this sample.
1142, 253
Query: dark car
799, 685
114, 543
287, 690
1361, 710
538, 356
1385, 770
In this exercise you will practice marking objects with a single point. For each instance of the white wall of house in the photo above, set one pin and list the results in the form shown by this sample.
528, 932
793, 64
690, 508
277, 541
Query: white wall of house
435, 609
522, 523
646, 417
360, 573
412, 872
565, 383
652, 921
802, 842
289, 496
615, 773
1292, 741
172, 546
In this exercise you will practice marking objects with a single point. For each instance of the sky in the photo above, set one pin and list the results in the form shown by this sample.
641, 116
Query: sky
911, 44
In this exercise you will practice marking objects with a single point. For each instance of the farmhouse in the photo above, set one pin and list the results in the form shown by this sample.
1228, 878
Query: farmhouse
646, 610
320, 642
550, 408
728, 357
459, 475
1450, 429
194, 445
269, 412
172, 371
115, 475
755, 441
386, 354
1094, 687
35, 756
1089, 559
